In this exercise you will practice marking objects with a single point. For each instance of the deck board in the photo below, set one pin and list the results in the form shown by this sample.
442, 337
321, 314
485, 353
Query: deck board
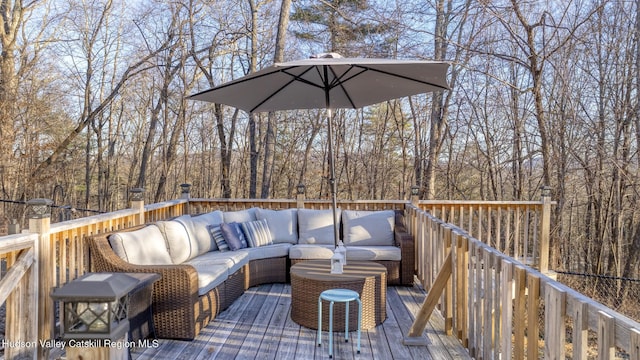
275, 327
403, 319
259, 326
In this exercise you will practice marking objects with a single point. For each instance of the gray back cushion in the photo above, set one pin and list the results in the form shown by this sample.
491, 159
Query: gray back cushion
144, 246
316, 226
283, 224
370, 228
204, 242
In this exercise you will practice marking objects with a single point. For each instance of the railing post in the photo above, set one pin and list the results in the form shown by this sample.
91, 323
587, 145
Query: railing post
545, 229
415, 195
186, 194
136, 195
40, 223
14, 227
300, 190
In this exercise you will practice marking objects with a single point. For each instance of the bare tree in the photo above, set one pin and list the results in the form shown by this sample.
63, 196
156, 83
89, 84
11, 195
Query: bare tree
91, 109
204, 56
270, 136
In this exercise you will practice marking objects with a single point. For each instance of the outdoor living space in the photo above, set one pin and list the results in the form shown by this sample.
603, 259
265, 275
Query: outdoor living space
259, 323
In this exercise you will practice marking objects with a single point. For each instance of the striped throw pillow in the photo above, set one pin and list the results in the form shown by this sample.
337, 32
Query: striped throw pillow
257, 233
216, 235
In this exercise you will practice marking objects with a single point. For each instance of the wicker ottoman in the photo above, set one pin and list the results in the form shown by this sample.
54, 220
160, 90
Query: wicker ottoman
310, 278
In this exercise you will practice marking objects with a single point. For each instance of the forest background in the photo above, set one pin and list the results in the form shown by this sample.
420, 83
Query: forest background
543, 93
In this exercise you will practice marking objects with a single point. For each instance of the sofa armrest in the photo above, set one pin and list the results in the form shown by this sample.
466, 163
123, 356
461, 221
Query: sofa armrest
173, 295
405, 241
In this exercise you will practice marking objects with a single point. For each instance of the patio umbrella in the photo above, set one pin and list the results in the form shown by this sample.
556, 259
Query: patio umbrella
328, 81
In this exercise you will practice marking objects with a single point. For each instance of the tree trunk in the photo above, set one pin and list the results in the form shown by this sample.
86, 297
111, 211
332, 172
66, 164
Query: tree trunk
270, 135
225, 149
438, 120
145, 157
10, 23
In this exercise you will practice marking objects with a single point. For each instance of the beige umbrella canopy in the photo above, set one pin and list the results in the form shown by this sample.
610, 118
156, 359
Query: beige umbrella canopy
329, 81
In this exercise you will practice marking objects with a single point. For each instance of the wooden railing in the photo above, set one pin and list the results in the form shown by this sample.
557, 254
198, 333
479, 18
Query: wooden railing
63, 255
519, 229
198, 206
499, 307
19, 293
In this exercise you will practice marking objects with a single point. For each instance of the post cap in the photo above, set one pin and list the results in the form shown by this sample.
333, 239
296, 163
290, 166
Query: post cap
136, 194
39, 208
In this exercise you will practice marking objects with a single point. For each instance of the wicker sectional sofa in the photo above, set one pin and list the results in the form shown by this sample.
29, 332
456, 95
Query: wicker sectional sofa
202, 273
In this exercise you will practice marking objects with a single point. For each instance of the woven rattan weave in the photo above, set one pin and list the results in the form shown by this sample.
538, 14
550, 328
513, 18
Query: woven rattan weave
312, 277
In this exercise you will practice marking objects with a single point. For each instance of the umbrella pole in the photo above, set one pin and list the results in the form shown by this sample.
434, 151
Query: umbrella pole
332, 179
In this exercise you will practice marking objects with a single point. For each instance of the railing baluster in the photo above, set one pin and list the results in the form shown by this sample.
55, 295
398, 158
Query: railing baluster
472, 299
497, 311
488, 305
554, 329
525, 234
533, 304
580, 331
606, 336
508, 233
479, 298
506, 284
634, 346
519, 311
448, 293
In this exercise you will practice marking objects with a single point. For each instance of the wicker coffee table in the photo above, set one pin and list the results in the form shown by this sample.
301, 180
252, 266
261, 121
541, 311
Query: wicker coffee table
310, 278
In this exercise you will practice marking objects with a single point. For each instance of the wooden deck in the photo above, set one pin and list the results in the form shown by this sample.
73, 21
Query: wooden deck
259, 326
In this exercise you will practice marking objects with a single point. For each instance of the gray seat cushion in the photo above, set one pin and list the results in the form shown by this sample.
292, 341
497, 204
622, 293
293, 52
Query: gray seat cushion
268, 251
390, 253
310, 252
210, 276
233, 260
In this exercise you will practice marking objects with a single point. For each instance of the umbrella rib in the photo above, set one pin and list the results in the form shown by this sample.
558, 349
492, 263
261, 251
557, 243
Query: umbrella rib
340, 80
235, 82
274, 93
295, 77
402, 76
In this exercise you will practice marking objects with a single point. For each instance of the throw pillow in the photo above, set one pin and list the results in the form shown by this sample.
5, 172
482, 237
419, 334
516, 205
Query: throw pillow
233, 235
257, 233
216, 235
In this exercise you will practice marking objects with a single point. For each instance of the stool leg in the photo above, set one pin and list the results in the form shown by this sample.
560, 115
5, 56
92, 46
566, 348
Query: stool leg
359, 321
330, 329
319, 321
346, 321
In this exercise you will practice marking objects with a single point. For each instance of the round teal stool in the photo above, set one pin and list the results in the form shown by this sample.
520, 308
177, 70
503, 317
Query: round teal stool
333, 296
